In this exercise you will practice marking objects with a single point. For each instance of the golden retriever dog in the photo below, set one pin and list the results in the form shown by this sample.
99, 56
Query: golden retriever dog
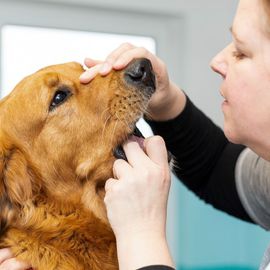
58, 142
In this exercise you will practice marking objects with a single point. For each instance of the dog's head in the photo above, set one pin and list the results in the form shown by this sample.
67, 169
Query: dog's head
57, 134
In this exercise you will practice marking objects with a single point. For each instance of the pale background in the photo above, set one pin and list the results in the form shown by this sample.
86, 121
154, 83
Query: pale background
187, 35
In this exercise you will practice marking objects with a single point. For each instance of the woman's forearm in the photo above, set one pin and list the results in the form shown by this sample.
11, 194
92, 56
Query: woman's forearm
136, 251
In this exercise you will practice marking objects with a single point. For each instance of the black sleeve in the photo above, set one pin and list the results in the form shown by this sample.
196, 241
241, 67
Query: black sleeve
156, 267
205, 159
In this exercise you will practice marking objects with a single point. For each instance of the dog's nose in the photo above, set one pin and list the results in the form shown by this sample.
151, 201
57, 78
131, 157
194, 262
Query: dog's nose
140, 73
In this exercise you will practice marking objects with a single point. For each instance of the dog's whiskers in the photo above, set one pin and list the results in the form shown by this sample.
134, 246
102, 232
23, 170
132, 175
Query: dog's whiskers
145, 110
104, 112
126, 122
116, 123
104, 127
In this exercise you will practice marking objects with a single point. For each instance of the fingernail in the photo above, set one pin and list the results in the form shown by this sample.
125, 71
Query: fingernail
106, 68
128, 143
86, 60
86, 76
118, 64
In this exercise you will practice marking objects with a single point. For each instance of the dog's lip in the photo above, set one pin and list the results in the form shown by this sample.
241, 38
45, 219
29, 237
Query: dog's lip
137, 136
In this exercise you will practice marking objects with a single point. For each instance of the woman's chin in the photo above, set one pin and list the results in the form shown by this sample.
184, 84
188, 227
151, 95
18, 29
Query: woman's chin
232, 135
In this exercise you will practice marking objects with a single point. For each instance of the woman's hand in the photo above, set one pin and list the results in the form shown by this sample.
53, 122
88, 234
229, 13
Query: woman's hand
8, 262
167, 102
136, 202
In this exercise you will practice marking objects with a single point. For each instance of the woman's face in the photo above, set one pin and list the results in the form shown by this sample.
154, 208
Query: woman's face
245, 68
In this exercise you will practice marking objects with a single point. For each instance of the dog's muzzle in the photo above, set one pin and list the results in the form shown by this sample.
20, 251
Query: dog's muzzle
140, 74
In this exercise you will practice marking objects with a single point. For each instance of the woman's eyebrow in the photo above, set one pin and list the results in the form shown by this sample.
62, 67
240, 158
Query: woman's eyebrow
235, 35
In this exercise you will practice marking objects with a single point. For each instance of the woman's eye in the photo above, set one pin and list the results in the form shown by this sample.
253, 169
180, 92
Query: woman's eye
238, 55
59, 97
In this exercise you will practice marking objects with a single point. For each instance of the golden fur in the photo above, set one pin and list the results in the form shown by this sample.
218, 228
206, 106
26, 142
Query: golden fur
54, 163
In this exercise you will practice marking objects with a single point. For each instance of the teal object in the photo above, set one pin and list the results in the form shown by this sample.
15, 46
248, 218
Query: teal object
219, 268
203, 238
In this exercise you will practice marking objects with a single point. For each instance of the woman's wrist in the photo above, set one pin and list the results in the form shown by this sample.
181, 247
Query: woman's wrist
172, 106
143, 249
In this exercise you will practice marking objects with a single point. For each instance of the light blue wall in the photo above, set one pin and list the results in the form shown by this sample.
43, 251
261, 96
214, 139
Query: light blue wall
205, 238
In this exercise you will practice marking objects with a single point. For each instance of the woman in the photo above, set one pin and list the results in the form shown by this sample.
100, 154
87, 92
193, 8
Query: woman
227, 175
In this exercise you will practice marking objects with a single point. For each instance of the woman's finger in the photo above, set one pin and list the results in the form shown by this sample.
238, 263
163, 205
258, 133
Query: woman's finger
126, 57
135, 155
14, 264
113, 56
155, 148
5, 254
109, 183
89, 74
121, 169
89, 62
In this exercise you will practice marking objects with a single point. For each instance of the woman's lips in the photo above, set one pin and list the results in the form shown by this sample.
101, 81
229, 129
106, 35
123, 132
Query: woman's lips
225, 99
221, 93
225, 102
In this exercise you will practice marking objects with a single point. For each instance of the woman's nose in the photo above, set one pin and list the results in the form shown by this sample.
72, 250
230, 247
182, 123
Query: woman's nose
219, 63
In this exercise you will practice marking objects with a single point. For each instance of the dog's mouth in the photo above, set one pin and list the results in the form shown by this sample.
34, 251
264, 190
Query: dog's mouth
138, 137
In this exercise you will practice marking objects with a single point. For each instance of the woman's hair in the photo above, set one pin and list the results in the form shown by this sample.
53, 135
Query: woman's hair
266, 7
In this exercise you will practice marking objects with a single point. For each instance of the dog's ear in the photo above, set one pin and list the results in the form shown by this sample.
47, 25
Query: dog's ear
6, 209
16, 182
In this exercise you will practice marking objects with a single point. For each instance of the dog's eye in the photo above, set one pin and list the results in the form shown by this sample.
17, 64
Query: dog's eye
60, 96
